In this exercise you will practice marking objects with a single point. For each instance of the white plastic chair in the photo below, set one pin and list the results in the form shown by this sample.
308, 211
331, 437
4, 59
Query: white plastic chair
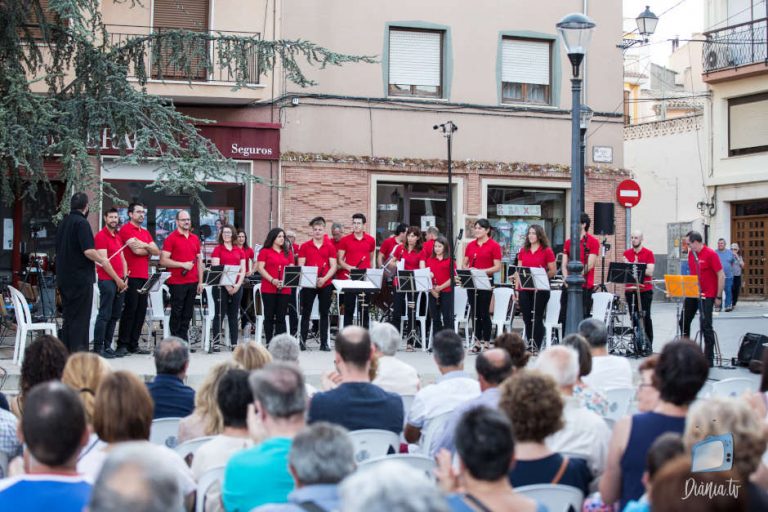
557, 498
418, 317
287, 318
24, 324
734, 387
208, 315
619, 402
461, 312
502, 298
190, 447
407, 402
433, 430
258, 319
94, 311
371, 443
416, 461
601, 306
207, 480
552, 318
165, 431
157, 311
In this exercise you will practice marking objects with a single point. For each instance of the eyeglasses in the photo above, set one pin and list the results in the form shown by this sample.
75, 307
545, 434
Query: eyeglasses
185, 220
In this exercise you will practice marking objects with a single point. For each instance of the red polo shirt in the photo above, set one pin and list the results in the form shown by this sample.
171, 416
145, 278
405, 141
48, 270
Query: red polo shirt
428, 248
274, 263
593, 245
412, 259
707, 268
182, 249
441, 271
226, 256
319, 257
112, 242
540, 258
357, 252
387, 246
482, 256
138, 266
248, 253
642, 256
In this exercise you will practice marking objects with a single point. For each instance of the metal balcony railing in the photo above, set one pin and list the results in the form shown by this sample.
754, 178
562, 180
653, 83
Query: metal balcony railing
201, 55
736, 46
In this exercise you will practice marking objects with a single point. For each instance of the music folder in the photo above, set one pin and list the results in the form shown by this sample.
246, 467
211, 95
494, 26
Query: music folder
682, 286
229, 275
308, 277
154, 282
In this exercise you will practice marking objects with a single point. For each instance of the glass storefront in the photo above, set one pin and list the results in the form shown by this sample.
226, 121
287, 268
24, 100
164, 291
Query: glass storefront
416, 204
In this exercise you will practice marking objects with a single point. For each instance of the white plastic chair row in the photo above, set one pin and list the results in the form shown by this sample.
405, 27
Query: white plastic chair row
207, 480
416, 461
165, 431
24, 324
461, 312
156, 310
555, 497
372, 443
419, 316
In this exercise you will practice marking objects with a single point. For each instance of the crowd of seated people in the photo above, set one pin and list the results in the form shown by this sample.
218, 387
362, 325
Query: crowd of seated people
79, 434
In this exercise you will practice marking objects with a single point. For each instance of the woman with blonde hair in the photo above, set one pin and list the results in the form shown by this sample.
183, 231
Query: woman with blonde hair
206, 419
251, 356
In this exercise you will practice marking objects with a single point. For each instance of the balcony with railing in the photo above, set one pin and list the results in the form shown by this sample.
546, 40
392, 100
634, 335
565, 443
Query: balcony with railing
736, 51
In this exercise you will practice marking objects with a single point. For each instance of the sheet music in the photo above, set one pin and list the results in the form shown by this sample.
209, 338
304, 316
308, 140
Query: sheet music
375, 276
229, 275
540, 278
308, 277
348, 284
423, 279
163, 278
480, 279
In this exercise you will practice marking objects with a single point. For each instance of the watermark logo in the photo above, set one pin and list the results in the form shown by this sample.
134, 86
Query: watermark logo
712, 454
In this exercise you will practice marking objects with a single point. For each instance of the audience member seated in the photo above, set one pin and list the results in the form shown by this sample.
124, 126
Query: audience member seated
137, 477
84, 373
321, 457
259, 475
717, 416
534, 406
205, 420
608, 371
123, 412
392, 374
486, 449
251, 356
53, 431
44, 360
4, 404
285, 347
172, 398
647, 394
680, 373
593, 399
390, 486
356, 404
233, 397
492, 366
665, 448
453, 387
585, 433
513, 343
10, 446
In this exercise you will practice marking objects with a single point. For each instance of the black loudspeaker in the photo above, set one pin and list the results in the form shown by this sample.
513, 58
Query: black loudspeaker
603, 219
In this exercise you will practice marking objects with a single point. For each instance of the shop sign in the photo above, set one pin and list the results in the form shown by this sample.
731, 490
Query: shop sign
518, 210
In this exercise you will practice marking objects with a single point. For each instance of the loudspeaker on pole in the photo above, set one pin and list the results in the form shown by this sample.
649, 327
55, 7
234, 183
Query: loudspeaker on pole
604, 219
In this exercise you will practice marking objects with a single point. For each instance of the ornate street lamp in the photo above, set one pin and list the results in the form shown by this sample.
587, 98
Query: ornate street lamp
646, 26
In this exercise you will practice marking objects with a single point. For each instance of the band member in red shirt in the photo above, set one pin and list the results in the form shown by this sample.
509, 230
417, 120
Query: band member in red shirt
227, 298
250, 267
389, 245
412, 257
441, 294
140, 249
536, 252
355, 251
431, 236
589, 247
242, 243
639, 254
317, 252
109, 245
271, 263
704, 263
337, 233
181, 255
482, 253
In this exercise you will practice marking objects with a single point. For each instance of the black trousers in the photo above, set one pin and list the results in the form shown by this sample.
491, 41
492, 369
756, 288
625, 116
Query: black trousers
182, 308
586, 303
440, 312
350, 303
533, 314
482, 315
110, 310
293, 313
690, 306
134, 311
646, 298
324, 296
275, 307
228, 305
76, 301
736, 289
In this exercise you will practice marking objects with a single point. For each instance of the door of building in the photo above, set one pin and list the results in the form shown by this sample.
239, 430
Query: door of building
751, 233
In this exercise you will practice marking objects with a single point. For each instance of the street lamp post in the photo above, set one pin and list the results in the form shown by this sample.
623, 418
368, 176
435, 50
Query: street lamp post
575, 32
448, 129
584, 119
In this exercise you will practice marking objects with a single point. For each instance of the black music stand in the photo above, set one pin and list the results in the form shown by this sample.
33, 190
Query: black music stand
629, 273
212, 276
406, 283
154, 279
473, 281
359, 274
528, 281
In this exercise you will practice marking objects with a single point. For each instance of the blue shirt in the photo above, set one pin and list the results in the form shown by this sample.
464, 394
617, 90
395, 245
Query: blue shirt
726, 258
44, 493
458, 503
258, 476
357, 406
324, 495
543, 471
173, 398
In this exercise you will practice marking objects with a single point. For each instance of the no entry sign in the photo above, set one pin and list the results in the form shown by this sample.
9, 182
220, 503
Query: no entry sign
628, 193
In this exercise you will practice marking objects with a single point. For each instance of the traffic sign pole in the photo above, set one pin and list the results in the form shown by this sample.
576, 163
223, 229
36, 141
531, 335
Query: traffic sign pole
628, 217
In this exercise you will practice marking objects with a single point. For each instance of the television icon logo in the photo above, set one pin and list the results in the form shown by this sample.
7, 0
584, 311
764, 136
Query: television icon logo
715, 453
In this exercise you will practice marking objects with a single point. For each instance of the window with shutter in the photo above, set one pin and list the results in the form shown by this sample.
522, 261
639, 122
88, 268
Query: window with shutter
525, 71
747, 128
415, 62
189, 15
32, 24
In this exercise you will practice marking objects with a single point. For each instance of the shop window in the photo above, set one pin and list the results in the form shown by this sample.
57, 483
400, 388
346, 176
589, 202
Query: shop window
415, 204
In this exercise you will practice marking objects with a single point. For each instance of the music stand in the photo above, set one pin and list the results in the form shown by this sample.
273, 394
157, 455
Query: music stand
532, 278
630, 273
213, 276
154, 282
681, 287
473, 280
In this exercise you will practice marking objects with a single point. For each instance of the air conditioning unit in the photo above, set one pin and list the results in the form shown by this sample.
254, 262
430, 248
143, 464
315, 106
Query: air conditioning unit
712, 60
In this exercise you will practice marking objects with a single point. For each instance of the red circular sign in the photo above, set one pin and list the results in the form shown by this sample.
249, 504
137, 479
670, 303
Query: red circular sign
628, 193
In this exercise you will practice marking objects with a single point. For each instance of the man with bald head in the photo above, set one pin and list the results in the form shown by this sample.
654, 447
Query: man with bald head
639, 254
492, 366
356, 404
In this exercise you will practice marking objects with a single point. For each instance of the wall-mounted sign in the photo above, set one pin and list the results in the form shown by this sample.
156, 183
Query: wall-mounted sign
518, 210
602, 154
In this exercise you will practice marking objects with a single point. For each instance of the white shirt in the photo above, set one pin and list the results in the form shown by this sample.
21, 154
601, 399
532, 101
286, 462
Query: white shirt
585, 434
216, 453
397, 377
609, 372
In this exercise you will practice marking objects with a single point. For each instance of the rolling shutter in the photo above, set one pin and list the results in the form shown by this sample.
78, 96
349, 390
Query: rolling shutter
415, 57
748, 127
525, 62
181, 14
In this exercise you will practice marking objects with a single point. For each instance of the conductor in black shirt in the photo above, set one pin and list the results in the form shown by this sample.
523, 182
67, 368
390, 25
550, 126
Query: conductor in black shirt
76, 273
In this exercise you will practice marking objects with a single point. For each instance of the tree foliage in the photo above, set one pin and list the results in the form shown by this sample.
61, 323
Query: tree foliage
64, 79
